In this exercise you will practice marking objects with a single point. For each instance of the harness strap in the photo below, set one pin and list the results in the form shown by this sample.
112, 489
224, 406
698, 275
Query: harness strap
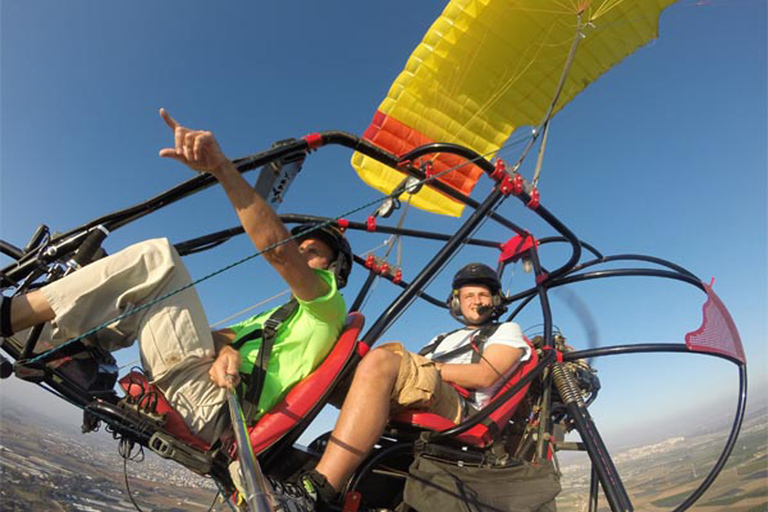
433, 346
5, 317
476, 344
254, 383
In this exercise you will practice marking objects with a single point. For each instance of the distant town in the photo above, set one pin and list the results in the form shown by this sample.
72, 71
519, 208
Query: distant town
44, 466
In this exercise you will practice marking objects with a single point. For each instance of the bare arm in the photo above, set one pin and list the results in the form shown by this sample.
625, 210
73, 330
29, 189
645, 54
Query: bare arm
199, 150
496, 358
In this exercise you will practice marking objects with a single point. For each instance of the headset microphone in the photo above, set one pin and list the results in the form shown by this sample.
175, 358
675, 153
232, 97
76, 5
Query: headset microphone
482, 310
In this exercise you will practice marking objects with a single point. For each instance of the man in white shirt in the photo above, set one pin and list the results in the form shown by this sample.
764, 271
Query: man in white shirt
390, 378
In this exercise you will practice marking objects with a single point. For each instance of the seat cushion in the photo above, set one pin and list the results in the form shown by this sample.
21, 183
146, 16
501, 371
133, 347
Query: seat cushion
149, 397
279, 420
479, 435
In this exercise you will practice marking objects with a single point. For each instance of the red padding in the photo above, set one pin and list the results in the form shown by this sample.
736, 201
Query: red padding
278, 421
479, 435
304, 395
136, 385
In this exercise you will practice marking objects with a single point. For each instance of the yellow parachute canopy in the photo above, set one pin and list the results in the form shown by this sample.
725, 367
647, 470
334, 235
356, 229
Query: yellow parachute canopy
486, 67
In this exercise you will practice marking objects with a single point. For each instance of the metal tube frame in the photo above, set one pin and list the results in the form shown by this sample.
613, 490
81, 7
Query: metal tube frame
66, 243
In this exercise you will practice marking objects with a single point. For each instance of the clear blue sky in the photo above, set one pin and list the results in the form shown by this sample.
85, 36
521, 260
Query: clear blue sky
664, 155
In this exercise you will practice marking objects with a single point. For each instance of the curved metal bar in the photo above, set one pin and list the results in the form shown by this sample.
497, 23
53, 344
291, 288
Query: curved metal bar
520, 306
366, 148
368, 466
472, 156
489, 168
629, 272
585, 245
682, 348
729, 444
635, 257
638, 272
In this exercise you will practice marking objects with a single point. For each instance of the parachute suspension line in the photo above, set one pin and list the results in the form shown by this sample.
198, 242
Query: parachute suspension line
566, 71
398, 239
544, 125
399, 255
508, 84
249, 308
48, 354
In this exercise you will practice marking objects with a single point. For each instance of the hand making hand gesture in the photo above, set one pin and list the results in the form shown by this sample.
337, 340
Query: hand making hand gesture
197, 149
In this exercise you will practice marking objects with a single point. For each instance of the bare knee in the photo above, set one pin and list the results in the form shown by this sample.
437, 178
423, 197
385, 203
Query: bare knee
378, 364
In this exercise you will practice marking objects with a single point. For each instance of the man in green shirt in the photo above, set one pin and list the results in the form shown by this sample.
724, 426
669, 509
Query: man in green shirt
180, 355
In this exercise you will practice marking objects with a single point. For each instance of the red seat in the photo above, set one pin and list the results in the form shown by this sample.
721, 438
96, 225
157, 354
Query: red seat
280, 419
151, 399
479, 435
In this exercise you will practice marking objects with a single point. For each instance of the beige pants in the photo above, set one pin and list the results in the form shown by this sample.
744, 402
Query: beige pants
175, 340
419, 386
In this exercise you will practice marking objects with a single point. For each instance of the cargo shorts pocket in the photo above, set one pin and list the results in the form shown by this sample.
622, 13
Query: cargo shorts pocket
418, 384
168, 338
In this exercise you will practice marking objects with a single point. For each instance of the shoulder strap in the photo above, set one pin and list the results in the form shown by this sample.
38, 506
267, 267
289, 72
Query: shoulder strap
478, 342
255, 381
433, 346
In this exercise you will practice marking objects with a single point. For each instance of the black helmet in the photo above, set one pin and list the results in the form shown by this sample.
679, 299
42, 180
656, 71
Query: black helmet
332, 236
476, 273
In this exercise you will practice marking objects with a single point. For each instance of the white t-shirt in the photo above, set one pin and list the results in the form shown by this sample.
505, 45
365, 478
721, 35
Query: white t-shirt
508, 333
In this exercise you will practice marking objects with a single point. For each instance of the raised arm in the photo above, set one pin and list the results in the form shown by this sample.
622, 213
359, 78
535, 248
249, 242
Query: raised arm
199, 150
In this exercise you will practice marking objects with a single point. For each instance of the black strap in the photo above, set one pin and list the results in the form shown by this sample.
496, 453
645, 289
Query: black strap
480, 339
476, 344
255, 381
433, 346
5, 317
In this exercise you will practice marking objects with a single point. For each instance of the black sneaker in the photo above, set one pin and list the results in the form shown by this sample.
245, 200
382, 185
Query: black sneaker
289, 497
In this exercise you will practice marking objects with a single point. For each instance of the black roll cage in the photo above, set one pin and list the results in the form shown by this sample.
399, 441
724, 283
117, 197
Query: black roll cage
29, 266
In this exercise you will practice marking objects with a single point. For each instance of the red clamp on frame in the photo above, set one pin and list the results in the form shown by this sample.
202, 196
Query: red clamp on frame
499, 171
370, 262
507, 185
384, 268
505, 181
517, 185
370, 224
343, 224
314, 141
516, 247
398, 276
534, 202
429, 170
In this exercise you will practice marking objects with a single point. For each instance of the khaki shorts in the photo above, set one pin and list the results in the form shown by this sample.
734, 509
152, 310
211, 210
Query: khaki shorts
419, 386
